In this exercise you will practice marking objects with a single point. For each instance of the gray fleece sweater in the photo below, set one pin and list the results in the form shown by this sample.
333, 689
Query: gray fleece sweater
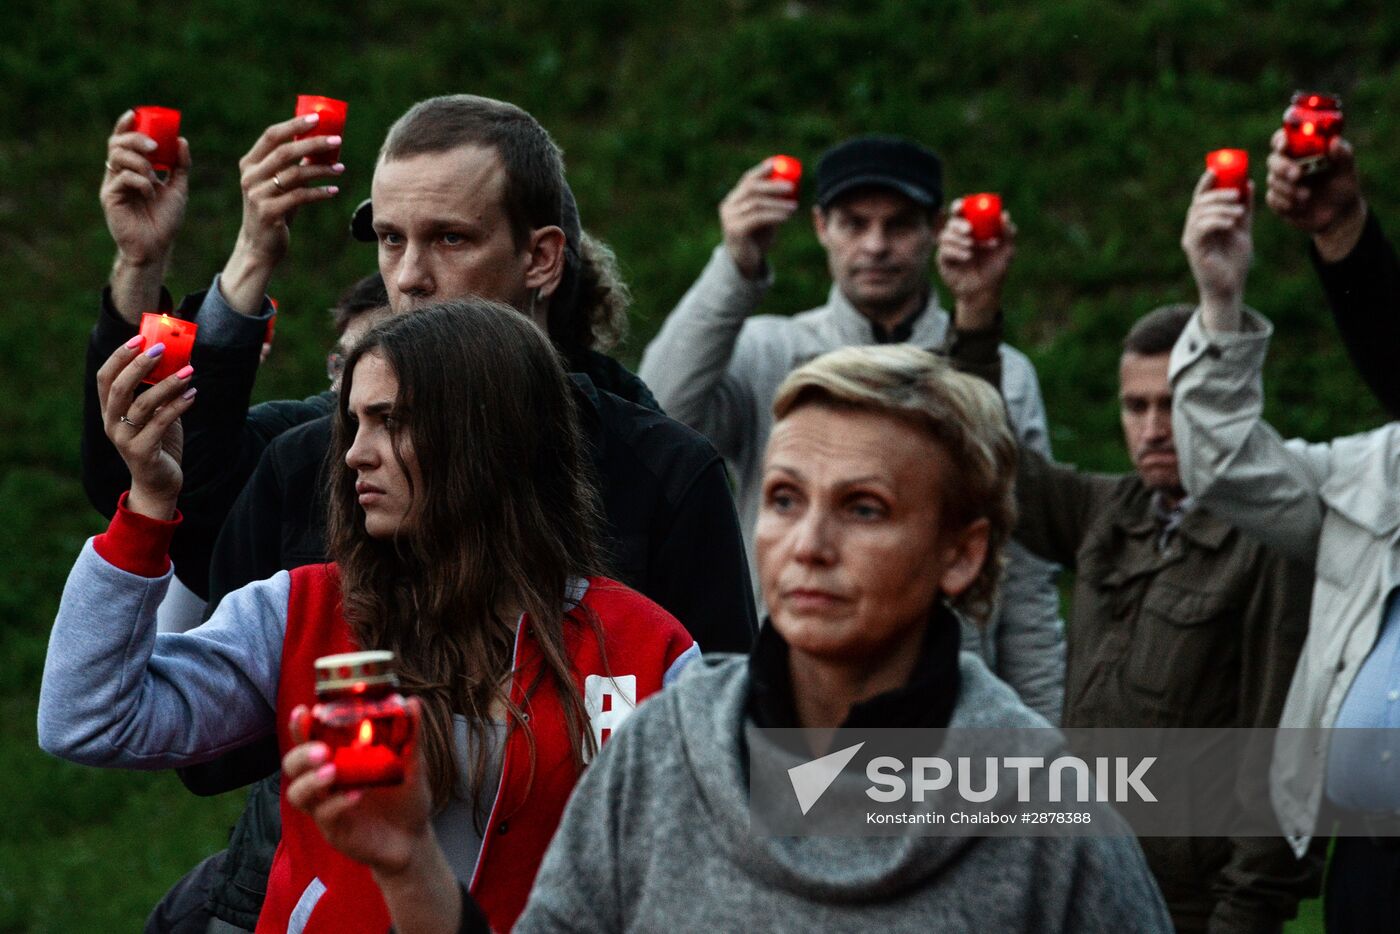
657, 838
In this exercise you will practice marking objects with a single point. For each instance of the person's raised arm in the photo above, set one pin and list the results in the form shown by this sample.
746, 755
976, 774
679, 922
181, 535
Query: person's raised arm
275, 184
690, 364
1053, 503
1328, 207
145, 428
114, 693
1232, 461
224, 438
1219, 243
974, 271
1030, 635
143, 214
1356, 264
751, 215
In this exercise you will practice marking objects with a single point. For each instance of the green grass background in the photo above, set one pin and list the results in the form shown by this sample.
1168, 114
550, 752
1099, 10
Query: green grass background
1091, 117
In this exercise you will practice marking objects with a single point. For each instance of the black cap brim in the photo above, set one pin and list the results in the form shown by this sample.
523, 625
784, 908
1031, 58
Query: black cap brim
913, 192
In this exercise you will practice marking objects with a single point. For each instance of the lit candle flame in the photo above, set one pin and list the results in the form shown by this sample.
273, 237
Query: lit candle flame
1309, 129
366, 734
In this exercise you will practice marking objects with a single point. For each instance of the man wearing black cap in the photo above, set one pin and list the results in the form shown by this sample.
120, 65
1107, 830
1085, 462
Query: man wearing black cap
717, 367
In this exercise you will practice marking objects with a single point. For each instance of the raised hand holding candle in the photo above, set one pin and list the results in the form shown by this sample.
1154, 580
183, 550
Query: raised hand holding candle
161, 124
983, 212
178, 337
1310, 123
787, 169
331, 123
1231, 169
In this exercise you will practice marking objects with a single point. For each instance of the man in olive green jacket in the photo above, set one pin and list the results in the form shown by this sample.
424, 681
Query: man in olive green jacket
1179, 619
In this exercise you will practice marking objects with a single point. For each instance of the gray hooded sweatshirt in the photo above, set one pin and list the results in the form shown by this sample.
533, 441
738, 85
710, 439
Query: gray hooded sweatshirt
656, 838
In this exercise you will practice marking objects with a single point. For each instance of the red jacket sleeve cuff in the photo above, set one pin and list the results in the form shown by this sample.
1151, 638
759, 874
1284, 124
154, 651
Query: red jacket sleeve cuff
135, 543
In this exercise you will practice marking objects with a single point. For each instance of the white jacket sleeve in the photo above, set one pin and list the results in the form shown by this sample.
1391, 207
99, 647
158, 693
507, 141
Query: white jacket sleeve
689, 364
1232, 461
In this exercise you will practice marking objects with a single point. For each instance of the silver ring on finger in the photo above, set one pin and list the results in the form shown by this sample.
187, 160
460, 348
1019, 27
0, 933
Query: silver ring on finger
126, 421
277, 183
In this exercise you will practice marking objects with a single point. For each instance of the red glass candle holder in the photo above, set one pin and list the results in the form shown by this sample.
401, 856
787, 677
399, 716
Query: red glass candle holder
178, 337
983, 212
787, 169
161, 124
1231, 169
361, 716
1310, 123
332, 123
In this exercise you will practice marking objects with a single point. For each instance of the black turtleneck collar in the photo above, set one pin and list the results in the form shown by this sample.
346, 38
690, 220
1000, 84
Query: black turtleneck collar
925, 701
901, 332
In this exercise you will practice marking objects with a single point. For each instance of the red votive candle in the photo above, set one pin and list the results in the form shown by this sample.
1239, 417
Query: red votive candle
983, 212
361, 716
1231, 168
178, 337
161, 124
1310, 123
787, 169
332, 123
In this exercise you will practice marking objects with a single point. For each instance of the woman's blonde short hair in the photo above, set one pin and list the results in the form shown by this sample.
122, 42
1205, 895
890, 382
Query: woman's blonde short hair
962, 413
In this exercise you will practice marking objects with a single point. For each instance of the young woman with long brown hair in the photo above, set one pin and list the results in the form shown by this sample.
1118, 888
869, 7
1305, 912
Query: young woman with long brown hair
462, 532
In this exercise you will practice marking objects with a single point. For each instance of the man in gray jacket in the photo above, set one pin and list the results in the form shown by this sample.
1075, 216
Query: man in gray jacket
716, 367
1336, 507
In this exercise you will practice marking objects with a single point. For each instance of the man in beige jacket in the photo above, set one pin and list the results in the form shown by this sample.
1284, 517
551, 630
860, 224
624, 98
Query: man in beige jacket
1336, 506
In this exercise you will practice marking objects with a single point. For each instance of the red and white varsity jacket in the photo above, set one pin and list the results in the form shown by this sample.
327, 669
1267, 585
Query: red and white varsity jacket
315, 887
167, 703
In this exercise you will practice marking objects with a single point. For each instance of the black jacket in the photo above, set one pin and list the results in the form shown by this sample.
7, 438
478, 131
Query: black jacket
1363, 290
671, 529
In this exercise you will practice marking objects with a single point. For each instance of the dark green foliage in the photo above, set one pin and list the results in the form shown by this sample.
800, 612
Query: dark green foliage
1091, 117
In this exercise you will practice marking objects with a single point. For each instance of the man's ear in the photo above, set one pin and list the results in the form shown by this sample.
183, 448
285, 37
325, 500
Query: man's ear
544, 267
963, 553
819, 223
